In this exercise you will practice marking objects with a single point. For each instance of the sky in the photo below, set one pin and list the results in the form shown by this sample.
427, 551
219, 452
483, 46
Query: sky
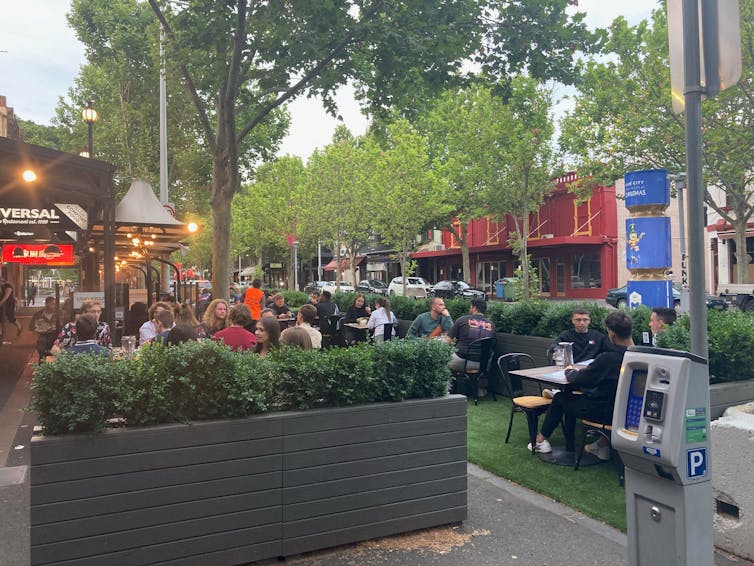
40, 58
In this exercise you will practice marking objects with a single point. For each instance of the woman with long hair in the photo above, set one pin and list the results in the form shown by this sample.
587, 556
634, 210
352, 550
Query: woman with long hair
381, 316
359, 309
268, 335
214, 319
184, 314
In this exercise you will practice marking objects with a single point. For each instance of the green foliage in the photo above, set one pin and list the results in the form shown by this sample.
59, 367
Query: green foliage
408, 308
730, 336
205, 380
295, 299
74, 394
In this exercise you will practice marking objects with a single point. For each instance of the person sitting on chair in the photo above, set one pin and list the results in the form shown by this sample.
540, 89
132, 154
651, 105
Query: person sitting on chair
465, 330
86, 334
433, 323
659, 320
597, 383
305, 317
587, 342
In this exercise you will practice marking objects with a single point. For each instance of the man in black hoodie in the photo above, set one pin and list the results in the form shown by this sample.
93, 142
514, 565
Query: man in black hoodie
587, 342
597, 383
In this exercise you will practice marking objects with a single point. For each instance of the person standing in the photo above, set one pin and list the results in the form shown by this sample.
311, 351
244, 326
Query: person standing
44, 323
254, 298
31, 295
8, 306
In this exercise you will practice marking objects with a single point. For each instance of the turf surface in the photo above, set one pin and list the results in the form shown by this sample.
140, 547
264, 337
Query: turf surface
593, 490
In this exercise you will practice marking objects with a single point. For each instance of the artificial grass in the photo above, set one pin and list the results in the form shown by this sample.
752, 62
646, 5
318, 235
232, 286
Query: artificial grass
593, 490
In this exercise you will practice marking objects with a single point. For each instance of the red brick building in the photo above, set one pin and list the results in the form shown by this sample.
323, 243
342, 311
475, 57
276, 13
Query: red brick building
573, 246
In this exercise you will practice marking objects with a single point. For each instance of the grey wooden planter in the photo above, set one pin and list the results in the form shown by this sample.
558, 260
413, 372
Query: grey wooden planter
231, 492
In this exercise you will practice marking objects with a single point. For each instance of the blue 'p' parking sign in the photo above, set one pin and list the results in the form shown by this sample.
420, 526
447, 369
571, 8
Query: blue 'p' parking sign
696, 463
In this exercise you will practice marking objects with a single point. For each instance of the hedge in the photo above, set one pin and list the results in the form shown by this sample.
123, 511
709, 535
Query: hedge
205, 380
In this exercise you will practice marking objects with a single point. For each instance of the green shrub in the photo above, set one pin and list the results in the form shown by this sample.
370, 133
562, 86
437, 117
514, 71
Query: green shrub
295, 299
76, 393
206, 380
730, 336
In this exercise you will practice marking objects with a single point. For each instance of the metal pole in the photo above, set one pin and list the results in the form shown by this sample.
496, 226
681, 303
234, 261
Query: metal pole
295, 265
163, 125
319, 260
693, 101
90, 140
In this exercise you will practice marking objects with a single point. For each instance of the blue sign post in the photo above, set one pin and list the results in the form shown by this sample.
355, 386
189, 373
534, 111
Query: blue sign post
648, 250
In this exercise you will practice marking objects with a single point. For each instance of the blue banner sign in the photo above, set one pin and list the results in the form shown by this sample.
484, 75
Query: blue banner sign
647, 188
648, 242
650, 293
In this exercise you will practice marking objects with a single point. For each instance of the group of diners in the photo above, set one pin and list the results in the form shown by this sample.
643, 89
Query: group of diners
593, 379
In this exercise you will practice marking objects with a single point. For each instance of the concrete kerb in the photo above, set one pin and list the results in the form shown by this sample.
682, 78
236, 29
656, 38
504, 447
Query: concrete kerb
14, 519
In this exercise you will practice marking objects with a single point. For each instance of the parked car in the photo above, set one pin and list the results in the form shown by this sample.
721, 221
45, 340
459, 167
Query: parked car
345, 287
453, 289
315, 287
415, 287
372, 286
619, 298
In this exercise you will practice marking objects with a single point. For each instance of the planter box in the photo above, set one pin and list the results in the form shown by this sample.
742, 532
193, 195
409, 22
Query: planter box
231, 492
729, 394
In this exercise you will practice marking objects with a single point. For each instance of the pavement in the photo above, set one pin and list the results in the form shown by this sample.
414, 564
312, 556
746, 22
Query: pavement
506, 525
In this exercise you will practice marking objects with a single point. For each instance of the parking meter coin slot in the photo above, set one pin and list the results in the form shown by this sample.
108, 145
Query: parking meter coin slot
654, 405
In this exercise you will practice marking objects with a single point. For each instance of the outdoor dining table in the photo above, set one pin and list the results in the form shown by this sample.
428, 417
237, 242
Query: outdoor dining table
359, 327
550, 377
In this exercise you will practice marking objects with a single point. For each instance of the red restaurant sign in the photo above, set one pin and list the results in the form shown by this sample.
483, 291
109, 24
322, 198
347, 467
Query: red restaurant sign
39, 254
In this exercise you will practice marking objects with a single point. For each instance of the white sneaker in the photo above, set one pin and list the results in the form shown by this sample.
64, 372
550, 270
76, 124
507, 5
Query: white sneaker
550, 393
541, 447
602, 452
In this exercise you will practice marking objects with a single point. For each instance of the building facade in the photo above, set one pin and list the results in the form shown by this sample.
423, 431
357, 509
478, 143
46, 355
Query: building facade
573, 244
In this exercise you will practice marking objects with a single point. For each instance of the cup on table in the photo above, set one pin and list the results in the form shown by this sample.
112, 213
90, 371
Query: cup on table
128, 345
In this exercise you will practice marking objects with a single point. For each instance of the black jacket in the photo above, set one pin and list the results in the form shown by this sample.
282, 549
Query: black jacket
586, 345
599, 380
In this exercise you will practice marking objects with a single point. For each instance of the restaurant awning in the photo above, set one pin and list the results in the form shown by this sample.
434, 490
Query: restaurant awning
344, 263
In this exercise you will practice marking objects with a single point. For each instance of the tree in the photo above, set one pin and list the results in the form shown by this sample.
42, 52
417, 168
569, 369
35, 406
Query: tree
241, 62
339, 181
409, 194
526, 175
623, 121
493, 155
268, 210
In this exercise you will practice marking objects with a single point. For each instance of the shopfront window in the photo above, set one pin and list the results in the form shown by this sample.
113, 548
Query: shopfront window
586, 271
542, 267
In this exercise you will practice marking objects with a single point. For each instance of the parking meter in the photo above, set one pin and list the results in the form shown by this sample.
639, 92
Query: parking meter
660, 429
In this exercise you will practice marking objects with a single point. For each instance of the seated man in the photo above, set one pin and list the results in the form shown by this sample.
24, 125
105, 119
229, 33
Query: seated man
86, 332
304, 319
165, 321
326, 309
279, 307
587, 342
465, 330
659, 320
597, 383
433, 323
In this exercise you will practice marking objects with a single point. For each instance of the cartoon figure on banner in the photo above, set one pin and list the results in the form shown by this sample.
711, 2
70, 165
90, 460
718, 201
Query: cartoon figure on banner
633, 243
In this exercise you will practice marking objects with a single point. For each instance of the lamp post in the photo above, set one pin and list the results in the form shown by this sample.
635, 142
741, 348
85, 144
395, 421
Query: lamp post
89, 115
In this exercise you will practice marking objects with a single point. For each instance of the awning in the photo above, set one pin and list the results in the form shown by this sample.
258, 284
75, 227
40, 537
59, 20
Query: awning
344, 263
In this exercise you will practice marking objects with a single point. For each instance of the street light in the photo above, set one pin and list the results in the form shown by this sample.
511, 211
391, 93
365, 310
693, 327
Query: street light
89, 115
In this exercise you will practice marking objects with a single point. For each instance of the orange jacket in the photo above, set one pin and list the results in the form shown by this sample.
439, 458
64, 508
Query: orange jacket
253, 299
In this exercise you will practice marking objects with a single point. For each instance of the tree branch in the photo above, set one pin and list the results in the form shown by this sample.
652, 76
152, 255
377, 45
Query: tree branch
209, 134
307, 78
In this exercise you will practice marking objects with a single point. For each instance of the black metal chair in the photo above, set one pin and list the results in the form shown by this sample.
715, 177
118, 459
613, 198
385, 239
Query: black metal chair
387, 332
594, 428
479, 350
531, 406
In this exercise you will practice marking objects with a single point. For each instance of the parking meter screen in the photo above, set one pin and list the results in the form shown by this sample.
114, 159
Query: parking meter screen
635, 399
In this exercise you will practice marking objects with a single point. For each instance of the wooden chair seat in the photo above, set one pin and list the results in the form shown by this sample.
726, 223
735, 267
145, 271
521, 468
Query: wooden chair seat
531, 402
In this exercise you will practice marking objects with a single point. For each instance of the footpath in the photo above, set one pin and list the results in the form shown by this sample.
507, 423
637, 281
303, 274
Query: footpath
507, 524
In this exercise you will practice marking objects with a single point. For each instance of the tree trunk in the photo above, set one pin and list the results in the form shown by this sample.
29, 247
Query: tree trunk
525, 252
466, 262
222, 195
742, 258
